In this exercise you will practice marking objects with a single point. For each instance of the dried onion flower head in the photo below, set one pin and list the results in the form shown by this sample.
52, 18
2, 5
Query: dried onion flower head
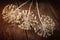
47, 26
8, 14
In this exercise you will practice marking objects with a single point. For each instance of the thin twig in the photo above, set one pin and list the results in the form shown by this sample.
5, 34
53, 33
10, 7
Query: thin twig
30, 7
26, 35
38, 10
21, 5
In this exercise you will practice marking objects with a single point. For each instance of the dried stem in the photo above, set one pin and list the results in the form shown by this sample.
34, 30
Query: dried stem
38, 10
21, 5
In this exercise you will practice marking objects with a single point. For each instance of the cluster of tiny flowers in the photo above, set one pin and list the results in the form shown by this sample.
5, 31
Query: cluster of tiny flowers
47, 26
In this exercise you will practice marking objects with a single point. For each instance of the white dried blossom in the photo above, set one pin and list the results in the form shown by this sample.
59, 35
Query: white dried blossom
47, 26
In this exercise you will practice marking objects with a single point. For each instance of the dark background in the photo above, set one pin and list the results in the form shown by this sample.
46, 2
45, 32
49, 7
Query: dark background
5, 33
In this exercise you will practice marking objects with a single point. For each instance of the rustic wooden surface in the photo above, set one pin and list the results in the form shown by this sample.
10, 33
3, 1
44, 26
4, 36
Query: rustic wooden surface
6, 33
